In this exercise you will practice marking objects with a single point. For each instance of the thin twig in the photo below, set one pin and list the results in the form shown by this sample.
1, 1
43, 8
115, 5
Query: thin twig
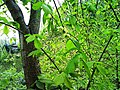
60, 5
90, 80
50, 59
58, 13
12, 27
117, 19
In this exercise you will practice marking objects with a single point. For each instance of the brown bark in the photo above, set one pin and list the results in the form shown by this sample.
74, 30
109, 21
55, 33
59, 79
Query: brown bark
30, 64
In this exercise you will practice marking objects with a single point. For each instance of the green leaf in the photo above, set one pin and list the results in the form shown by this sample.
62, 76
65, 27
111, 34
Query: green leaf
76, 43
25, 2
70, 45
3, 19
30, 38
72, 64
35, 53
60, 79
17, 25
83, 56
37, 5
72, 20
91, 7
67, 82
117, 30
44, 18
71, 1
75, 74
86, 68
70, 67
40, 85
101, 69
75, 59
37, 44
90, 64
46, 9
6, 30
77, 27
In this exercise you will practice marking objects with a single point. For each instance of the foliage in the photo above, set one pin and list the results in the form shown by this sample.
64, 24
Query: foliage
11, 79
78, 45
11, 74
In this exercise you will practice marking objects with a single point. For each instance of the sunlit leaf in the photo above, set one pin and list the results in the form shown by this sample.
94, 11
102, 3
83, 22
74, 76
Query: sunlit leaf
70, 45
86, 68
17, 25
70, 67
46, 9
77, 27
83, 56
71, 1
60, 79
37, 44
90, 64
6, 30
34, 53
101, 69
37, 5
76, 43
67, 82
72, 20
3, 19
30, 38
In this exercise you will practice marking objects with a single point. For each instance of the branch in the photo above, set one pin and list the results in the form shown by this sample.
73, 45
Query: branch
117, 19
88, 85
12, 27
94, 69
50, 59
58, 13
17, 14
34, 22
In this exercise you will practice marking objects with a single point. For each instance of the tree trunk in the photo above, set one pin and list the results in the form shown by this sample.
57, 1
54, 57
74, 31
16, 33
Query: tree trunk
30, 64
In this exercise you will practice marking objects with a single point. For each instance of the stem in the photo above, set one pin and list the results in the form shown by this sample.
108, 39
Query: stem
12, 27
50, 59
58, 13
117, 19
88, 85
105, 48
